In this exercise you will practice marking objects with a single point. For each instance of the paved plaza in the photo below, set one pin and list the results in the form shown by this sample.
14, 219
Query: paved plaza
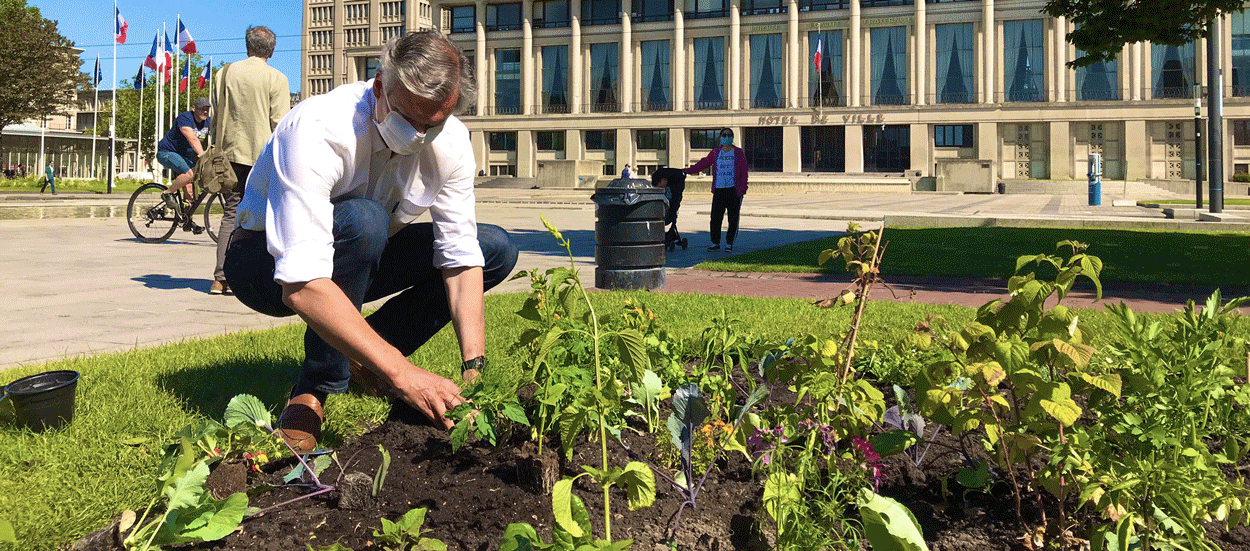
78, 286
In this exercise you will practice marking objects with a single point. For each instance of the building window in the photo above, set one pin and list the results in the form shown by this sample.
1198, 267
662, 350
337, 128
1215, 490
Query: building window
880, 3
357, 13
323, 15
320, 85
1241, 54
766, 71
503, 141
503, 17
550, 140
603, 78
392, 10
356, 37
889, 65
655, 76
371, 67
704, 138
601, 12
322, 40
825, 73
1024, 68
763, 148
823, 5
954, 63
1097, 81
601, 140
551, 14
503, 170
704, 9
653, 10
762, 7
321, 64
1241, 132
952, 135
391, 32
507, 81
555, 79
652, 140
709, 73
463, 19
887, 148
1173, 71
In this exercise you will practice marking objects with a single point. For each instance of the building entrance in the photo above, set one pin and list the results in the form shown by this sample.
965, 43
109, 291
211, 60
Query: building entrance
887, 148
763, 148
823, 148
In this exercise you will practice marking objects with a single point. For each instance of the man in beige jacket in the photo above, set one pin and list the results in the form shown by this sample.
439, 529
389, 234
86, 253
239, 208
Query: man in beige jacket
250, 99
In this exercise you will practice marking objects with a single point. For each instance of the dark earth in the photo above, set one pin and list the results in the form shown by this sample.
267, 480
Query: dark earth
473, 495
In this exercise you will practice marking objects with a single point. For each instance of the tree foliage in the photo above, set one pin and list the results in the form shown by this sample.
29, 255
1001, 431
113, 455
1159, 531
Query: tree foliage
1103, 27
40, 70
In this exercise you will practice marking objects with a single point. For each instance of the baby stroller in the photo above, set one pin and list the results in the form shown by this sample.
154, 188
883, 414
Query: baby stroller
673, 180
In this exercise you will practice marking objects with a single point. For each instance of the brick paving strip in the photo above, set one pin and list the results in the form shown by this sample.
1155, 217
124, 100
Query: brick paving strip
970, 292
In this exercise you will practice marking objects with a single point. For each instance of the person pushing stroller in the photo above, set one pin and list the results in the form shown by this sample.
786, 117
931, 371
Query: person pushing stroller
673, 182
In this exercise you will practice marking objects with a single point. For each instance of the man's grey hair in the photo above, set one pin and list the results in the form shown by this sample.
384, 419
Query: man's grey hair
260, 42
429, 66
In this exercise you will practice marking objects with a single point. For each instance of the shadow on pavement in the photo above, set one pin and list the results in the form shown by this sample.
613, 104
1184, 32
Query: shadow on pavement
162, 281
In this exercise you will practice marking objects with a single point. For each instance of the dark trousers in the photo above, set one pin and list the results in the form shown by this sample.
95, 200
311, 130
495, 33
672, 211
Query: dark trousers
725, 199
367, 266
232, 200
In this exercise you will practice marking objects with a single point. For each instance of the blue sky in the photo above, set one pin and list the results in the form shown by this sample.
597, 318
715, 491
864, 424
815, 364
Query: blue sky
216, 25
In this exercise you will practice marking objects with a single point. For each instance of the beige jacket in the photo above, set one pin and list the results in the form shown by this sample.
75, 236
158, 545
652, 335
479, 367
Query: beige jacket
257, 96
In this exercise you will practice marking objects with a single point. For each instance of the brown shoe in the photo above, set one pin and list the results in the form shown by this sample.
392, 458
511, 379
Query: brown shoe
368, 382
300, 423
218, 288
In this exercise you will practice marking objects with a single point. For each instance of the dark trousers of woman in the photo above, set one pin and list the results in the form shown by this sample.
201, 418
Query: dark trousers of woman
725, 199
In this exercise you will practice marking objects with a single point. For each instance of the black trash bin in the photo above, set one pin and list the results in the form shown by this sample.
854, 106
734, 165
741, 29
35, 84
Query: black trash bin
629, 235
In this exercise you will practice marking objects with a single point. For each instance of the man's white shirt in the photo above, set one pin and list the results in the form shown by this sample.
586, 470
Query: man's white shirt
328, 149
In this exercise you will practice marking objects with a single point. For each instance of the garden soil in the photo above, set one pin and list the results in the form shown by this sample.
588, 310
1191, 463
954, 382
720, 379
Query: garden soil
474, 494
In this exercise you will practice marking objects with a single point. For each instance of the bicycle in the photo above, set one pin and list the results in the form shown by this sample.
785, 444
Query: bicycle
153, 221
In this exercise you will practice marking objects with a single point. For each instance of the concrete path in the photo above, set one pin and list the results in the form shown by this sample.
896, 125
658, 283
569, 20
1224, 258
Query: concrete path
75, 286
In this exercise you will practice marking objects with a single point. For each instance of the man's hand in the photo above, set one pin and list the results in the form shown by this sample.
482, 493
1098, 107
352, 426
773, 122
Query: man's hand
433, 395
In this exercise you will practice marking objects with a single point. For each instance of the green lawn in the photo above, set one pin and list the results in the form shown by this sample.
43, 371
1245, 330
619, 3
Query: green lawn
32, 184
1200, 258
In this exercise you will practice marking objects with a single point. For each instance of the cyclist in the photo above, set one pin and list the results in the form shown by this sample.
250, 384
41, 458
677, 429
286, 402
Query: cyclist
181, 146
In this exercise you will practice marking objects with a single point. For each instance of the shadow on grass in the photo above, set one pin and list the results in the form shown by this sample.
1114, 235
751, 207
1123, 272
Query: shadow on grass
205, 390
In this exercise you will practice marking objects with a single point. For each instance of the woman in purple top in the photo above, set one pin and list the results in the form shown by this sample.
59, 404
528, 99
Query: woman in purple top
729, 184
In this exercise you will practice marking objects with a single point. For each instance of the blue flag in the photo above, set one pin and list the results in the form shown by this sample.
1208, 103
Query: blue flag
97, 76
140, 82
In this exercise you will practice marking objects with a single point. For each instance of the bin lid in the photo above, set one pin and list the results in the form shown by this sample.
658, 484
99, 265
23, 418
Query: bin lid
623, 191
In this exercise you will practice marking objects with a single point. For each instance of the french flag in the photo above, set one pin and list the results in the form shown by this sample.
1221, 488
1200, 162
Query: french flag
169, 58
156, 58
185, 42
816, 58
120, 26
182, 83
206, 74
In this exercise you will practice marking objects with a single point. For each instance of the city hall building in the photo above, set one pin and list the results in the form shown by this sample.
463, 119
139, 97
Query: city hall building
829, 88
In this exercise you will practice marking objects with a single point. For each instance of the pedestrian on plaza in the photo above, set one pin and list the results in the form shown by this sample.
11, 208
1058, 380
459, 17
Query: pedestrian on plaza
251, 98
329, 222
729, 184
627, 173
180, 148
49, 178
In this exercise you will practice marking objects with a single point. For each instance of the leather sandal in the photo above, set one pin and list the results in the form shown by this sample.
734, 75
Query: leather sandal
300, 423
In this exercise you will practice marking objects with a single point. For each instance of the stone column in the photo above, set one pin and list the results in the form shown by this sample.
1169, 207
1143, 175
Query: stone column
526, 161
1060, 66
987, 146
1136, 150
920, 55
791, 154
855, 90
527, 59
921, 154
484, 86
678, 49
854, 146
575, 57
989, 52
1060, 154
1135, 77
627, 58
733, 56
794, 61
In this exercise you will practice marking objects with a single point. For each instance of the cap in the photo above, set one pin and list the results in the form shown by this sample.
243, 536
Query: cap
201, 102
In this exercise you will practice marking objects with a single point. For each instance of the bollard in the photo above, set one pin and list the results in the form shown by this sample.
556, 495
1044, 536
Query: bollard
629, 235
1095, 179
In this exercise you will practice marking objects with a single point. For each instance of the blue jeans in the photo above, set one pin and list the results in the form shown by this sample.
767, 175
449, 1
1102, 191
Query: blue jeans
367, 266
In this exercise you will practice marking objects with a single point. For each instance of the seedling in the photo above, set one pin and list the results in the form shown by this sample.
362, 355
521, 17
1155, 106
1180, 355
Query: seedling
406, 535
481, 411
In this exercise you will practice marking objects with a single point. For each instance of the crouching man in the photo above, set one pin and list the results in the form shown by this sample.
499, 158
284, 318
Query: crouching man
328, 222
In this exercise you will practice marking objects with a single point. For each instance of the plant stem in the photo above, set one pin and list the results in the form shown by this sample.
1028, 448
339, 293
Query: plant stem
603, 422
322, 490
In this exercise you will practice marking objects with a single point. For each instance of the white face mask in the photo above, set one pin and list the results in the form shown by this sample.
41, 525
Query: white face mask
400, 137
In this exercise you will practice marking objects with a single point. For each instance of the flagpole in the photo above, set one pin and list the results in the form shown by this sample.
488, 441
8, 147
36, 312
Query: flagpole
177, 87
820, 92
113, 117
160, 103
139, 140
95, 113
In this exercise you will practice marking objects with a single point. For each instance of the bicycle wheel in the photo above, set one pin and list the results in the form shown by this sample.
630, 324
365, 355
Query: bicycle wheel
214, 207
150, 219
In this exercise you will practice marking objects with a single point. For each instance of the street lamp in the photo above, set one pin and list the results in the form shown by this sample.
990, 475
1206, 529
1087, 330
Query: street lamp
1198, 145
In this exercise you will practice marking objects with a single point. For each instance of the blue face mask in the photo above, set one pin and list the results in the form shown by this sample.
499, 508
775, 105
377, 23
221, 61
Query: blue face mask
726, 140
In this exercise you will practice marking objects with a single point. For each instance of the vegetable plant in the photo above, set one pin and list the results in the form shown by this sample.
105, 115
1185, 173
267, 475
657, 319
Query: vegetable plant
407, 534
522, 536
485, 404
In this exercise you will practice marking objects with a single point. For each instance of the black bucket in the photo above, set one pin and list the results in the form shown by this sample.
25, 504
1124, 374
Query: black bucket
44, 401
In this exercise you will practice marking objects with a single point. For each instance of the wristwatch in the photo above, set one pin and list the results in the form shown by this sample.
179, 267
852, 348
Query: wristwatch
478, 363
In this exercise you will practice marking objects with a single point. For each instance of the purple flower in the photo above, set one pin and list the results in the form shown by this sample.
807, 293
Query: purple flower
872, 460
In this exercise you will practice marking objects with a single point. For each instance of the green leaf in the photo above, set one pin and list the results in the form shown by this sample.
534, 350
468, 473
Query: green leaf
430, 544
893, 442
990, 373
889, 525
780, 495
1065, 411
379, 477
515, 412
1080, 354
185, 491
976, 479
216, 519
1109, 382
639, 483
519, 536
689, 411
7, 535
562, 506
245, 408
633, 350
320, 464
825, 256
